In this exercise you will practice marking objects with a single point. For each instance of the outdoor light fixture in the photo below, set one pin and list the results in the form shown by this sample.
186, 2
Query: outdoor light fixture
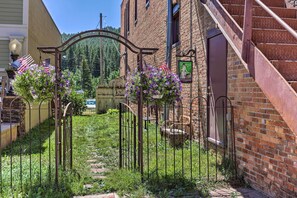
15, 48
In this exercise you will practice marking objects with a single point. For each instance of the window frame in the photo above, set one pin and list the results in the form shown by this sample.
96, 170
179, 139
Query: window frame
175, 29
135, 11
147, 4
128, 16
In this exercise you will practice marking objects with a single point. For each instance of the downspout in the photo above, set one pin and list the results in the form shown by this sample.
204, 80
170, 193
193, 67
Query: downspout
168, 46
169, 34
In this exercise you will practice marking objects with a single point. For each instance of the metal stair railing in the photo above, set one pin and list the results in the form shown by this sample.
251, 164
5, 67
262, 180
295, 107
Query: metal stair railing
248, 25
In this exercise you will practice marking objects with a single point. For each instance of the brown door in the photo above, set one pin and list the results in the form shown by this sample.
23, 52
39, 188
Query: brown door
217, 85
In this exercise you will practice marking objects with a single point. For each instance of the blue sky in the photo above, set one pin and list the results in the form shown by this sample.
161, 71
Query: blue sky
72, 16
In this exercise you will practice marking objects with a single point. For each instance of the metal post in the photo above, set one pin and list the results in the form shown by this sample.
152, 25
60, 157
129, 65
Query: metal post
64, 140
140, 121
120, 138
56, 119
134, 129
71, 147
58, 67
102, 69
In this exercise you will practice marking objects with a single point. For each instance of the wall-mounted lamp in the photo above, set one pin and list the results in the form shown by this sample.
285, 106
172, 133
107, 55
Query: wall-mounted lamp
15, 48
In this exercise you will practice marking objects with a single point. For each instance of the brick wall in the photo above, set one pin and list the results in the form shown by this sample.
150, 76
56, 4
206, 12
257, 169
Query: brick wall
266, 148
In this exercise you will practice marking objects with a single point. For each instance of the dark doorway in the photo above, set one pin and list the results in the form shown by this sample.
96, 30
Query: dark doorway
217, 86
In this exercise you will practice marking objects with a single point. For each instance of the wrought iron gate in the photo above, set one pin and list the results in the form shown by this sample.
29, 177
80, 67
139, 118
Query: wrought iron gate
27, 159
181, 145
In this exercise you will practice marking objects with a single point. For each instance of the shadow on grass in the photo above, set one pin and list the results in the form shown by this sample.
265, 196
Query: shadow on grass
173, 186
33, 141
69, 184
129, 182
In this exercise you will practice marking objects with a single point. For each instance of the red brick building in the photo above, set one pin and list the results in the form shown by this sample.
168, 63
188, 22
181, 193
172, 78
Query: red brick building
266, 142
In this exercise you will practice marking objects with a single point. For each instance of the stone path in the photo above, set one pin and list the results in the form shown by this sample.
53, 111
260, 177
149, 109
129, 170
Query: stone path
217, 193
111, 195
98, 172
238, 193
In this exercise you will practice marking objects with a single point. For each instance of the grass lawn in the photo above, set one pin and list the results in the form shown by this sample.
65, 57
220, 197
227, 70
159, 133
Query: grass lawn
96, 137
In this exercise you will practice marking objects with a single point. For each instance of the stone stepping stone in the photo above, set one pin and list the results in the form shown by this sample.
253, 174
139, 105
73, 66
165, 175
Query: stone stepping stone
91, 161
111, 195
240, 193
98, 165
88, 186
99, 170
99, 177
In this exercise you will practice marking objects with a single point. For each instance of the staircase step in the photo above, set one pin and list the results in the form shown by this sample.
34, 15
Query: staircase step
273, 36
273, 3
293, 84
234, 9
266, 22
288, 69
275, 51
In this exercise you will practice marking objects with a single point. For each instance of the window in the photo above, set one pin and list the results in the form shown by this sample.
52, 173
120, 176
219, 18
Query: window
147, 3
128, 16
135, 14
175, 24
125, 23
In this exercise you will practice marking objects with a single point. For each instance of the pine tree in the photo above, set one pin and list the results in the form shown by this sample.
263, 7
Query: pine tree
71, 60
96, 70
86, 78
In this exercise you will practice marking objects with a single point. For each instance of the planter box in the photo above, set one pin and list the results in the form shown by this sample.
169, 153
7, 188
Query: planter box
176, 137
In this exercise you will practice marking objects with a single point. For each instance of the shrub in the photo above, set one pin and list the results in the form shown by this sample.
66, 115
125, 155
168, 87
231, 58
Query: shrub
112, 111
78, 102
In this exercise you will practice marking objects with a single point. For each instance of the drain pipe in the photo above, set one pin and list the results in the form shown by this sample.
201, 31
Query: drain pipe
169, 34
168, 46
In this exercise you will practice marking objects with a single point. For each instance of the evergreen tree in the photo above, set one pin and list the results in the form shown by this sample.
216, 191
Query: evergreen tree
96, 68
86, 78
89, 49
79, 56
87, 54
71, 60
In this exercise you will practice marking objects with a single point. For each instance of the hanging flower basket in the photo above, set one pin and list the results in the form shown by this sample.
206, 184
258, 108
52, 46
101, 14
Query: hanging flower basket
36, 83
158, 86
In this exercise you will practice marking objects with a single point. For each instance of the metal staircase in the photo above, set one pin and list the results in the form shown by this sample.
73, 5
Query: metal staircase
262, 32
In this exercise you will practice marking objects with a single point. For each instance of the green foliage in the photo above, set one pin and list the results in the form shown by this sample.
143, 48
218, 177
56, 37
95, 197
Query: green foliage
37, 84
96, 66
86, 79
89, 49
78, 102
112, 111
123, 181
95, 83
96, 137
113, 75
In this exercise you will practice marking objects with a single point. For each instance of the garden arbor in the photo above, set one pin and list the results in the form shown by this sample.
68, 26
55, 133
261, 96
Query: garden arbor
58, 50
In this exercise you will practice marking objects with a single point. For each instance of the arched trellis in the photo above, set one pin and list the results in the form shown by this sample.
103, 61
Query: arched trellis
58, 50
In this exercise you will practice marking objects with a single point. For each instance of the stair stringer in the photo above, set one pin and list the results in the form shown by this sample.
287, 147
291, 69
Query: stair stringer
279, 92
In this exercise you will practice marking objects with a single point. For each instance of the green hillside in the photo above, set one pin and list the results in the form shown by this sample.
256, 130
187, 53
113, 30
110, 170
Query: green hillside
83, 60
